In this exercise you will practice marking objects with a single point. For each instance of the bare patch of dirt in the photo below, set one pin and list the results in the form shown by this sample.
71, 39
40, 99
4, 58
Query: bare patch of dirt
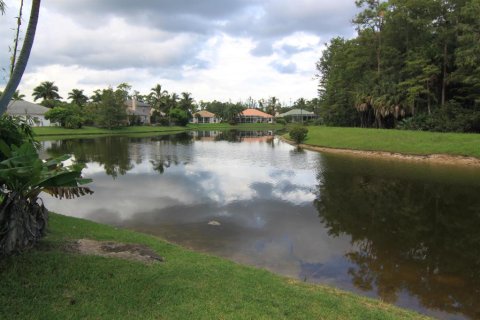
135, 252
432, 158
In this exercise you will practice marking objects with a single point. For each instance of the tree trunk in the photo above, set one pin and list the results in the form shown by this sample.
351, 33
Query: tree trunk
428, 98
22, 223
379, 53
444, 78
22, 61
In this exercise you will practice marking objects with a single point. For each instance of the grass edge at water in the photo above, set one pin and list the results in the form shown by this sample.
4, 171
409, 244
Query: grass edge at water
396, 141
49, 282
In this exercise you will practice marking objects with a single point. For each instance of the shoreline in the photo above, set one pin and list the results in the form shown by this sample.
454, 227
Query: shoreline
208, 287
442, 159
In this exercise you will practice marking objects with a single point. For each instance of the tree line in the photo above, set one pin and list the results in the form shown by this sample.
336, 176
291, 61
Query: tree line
414, 64
107, 108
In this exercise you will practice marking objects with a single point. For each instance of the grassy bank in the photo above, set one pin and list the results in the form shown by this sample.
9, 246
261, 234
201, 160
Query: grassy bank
50, 283
86, 131
397, 141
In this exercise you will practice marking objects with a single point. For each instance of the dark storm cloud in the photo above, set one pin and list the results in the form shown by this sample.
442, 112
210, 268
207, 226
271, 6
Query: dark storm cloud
254, 18
171, 15
169, 34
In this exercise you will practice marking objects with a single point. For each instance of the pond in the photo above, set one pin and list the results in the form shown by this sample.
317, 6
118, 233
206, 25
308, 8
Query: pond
407, 233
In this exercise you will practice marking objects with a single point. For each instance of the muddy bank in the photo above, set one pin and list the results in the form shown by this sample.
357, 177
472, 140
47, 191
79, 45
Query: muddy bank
431, 158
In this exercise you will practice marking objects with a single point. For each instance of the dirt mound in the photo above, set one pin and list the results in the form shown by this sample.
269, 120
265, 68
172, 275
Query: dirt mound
135, 252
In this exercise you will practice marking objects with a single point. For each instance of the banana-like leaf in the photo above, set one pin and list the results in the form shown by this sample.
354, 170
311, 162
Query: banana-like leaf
68, 193
84, 181
5, 149
64, 179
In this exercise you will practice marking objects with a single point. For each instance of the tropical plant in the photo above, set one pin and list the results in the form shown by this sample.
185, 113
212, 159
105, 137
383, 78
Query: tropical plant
77, 97
23, 176
47, 91
21, 62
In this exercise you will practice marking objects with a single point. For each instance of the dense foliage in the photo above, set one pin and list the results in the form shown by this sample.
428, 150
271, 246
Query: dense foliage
68, 116
179, 117
417, 60
23, 175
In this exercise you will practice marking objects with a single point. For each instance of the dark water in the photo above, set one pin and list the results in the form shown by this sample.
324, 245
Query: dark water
403, 232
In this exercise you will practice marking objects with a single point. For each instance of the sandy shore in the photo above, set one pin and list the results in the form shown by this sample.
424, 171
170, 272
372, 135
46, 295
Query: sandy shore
432, 158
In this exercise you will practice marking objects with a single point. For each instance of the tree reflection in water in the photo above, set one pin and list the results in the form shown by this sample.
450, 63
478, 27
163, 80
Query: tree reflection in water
118, 153
409, 233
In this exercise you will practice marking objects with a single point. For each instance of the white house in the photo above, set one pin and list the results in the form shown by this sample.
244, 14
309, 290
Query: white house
29, 111
204, 116
298, 115
139, 110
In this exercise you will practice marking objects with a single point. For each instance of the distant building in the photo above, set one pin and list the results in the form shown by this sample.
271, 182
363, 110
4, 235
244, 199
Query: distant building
29, 111
298, 115
205, 116
138, 111
254, 116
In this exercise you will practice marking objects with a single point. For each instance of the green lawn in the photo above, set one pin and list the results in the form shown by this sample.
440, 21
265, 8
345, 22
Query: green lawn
49, 283
399, 141
58, 131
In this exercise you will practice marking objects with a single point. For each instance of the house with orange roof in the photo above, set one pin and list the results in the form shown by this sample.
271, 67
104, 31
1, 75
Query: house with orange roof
254, 116
204, 116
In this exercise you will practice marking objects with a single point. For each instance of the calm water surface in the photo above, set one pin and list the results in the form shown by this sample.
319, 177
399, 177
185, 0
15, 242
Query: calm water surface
404, 232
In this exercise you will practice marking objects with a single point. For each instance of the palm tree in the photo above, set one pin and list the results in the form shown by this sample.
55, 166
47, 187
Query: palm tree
172, 103
77, 97
97, 95
47, 90
22, 61
186, 103
17, 96
157, 96
272, 105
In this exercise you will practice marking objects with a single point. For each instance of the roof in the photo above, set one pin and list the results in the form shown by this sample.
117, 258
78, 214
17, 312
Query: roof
20, 108
204, 114
297, 112
255, 113
129, 103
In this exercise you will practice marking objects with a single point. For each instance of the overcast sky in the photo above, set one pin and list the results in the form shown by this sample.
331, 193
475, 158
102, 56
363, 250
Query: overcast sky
215, 49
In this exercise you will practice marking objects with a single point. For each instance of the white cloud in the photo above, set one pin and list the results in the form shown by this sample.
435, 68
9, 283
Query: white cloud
248, 48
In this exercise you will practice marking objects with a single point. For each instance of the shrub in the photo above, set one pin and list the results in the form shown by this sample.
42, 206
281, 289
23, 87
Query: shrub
179, 117
162, 121
451, 118
68, 116
298, 134
281, 121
